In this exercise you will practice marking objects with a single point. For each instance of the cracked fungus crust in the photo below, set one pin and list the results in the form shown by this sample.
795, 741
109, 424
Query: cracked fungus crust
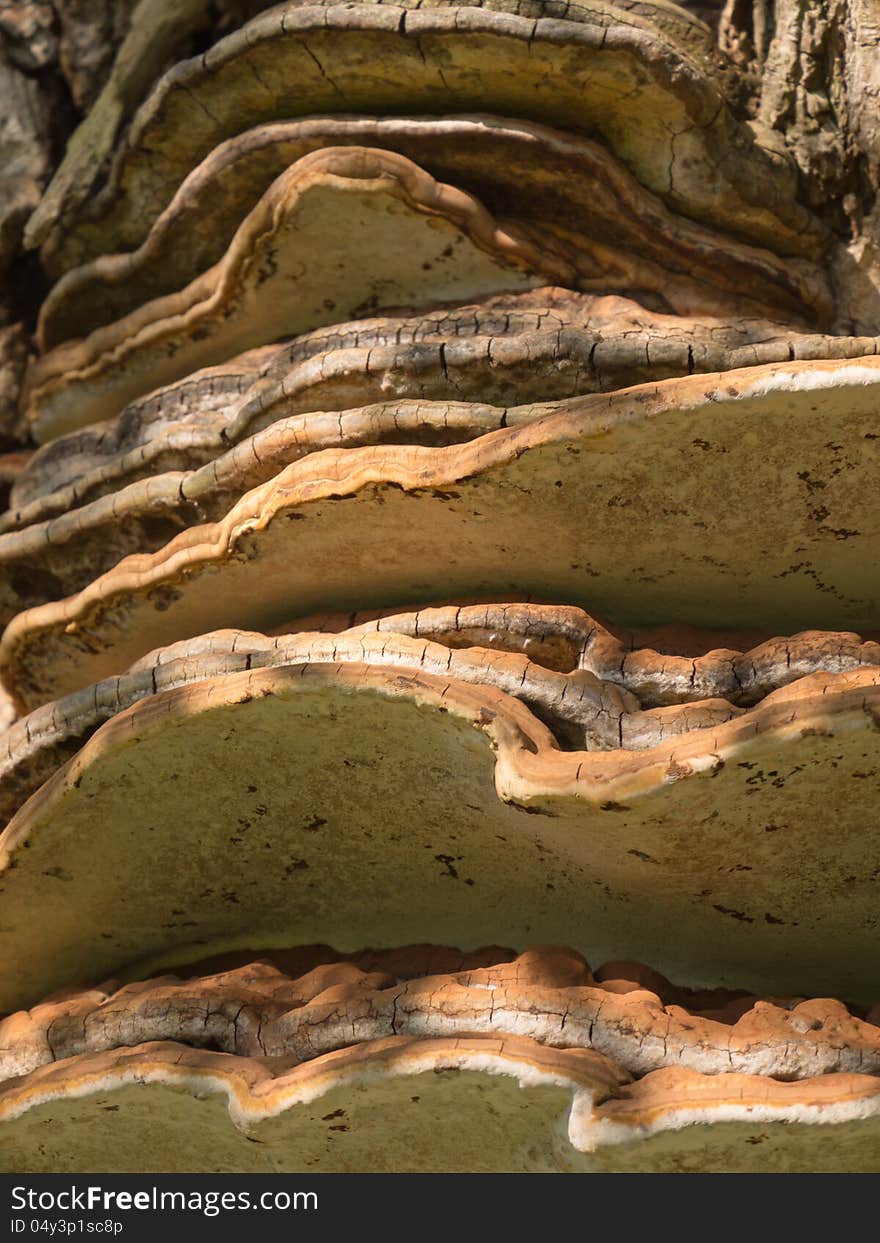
306, 785
548, 994
510, 349
610, 73
465, 1105
592, 690
294, 1064
401, 320
363, 527
93, 496
427, 240
614, 232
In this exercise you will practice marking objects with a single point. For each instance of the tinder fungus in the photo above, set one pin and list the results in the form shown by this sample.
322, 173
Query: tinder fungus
439, 448
537, 1062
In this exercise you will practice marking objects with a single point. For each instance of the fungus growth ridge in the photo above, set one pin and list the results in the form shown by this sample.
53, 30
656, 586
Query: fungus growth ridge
438, 444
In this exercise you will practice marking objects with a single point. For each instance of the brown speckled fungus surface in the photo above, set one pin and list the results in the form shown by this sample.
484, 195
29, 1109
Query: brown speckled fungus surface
440, 667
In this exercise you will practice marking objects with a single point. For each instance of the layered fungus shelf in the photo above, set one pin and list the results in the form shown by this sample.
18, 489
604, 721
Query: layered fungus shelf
439, 446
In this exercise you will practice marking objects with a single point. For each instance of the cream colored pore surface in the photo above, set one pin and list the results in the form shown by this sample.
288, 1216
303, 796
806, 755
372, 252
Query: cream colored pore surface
625, 505
305, 269
439, 1120
360, 808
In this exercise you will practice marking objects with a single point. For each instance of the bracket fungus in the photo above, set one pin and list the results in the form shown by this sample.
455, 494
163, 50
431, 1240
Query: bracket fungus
366, 347
375, 525
507, 349
691, 824
278, 276
584, 67
594, 692
548, 995
513, 1053
617, 234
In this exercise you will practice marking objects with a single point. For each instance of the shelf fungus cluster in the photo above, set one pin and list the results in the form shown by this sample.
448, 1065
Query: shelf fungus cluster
440, 446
